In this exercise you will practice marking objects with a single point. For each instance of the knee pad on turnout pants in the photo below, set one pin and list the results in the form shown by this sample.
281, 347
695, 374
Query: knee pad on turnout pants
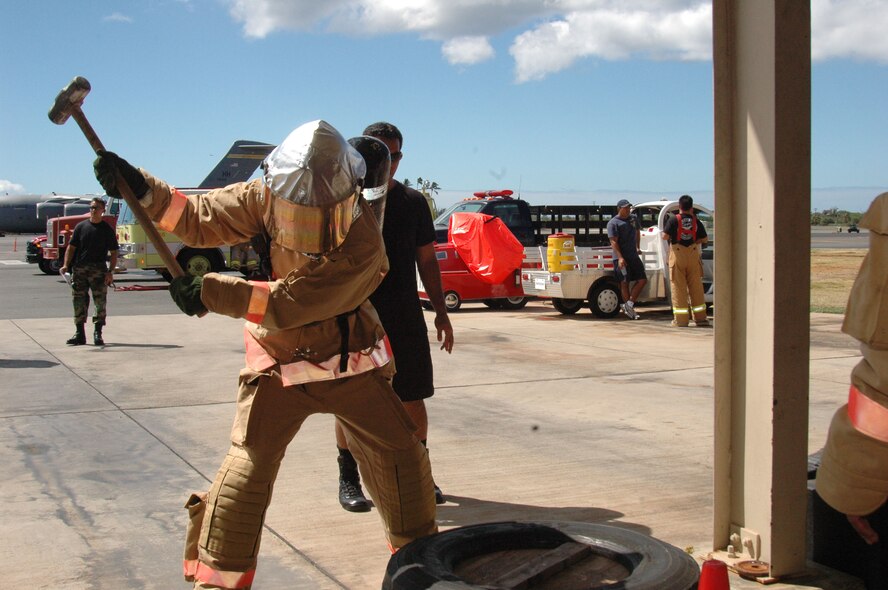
400, 483
230, 530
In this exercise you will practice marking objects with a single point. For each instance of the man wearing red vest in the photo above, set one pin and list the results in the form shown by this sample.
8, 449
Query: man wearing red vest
687, 236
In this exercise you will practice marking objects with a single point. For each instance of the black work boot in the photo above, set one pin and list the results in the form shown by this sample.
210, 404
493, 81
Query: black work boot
351, 496
439, 495
78, 338
97, 336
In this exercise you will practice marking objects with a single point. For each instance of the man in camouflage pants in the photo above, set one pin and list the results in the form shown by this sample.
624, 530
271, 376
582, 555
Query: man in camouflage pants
91, 242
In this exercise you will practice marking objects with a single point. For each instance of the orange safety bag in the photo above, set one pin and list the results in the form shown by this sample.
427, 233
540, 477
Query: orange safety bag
486, 245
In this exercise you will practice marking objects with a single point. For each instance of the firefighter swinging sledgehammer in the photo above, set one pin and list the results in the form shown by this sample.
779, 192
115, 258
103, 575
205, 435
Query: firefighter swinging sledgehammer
313, 341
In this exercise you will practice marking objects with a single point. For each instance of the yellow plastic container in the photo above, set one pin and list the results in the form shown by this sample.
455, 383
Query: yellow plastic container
561, 252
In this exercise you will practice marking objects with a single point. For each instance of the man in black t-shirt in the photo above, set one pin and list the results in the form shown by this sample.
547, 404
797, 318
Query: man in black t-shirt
88, 249
409, 236
625, 239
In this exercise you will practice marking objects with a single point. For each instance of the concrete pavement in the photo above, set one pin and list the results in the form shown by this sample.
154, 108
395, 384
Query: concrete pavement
537, 416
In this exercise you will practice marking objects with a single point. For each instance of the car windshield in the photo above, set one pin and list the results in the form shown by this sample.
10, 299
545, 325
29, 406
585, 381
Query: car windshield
708, 223
648, 216
125, 216
461, 207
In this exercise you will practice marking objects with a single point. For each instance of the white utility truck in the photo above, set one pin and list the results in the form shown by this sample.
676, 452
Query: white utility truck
573, 276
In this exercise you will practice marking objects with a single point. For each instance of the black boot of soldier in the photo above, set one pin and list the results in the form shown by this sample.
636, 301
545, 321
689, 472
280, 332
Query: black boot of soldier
78, 338
351, 496
97, 336
439, 495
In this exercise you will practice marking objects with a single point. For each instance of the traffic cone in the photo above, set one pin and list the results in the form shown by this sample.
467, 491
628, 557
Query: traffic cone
714, 576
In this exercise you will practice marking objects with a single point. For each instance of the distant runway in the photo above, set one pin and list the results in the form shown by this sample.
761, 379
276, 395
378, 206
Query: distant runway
12, 246
830, 237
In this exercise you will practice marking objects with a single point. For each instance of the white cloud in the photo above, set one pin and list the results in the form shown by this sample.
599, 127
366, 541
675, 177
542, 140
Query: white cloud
8, 187
118, 18
613, 34
554, 34
467, 50
845, 28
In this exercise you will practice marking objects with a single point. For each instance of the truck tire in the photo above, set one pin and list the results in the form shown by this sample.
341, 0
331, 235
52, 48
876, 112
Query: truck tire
50, 266
604, 299
513, 302
452, 300
198, 262
567, 306
430, 562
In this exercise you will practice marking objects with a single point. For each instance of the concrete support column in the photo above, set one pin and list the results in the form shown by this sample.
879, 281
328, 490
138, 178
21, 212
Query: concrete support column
762, 61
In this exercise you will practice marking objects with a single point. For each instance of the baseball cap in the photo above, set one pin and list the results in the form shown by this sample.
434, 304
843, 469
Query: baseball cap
623, 203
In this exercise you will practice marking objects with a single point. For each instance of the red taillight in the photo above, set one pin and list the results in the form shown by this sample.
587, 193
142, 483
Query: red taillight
556, 279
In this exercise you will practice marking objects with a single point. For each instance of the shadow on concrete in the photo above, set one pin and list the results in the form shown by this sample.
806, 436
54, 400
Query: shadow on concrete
26, 364
463, 511
126, 345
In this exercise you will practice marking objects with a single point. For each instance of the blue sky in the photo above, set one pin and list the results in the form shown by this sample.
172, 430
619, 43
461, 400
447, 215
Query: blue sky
562, 100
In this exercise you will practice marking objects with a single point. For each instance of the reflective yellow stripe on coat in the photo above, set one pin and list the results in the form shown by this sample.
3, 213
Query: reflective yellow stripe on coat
258, 304
867, 416
361, 361
173, 212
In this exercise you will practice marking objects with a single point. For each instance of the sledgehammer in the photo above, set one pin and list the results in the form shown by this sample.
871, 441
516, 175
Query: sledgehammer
67, 104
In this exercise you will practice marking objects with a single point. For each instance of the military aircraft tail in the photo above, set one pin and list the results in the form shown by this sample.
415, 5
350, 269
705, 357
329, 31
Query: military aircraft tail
28, 213
238, 164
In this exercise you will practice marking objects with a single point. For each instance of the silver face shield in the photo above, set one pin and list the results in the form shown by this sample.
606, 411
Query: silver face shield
378, 162
314, 177
375, 197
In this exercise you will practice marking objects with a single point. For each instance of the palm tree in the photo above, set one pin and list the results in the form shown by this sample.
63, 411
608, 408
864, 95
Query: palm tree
427, 186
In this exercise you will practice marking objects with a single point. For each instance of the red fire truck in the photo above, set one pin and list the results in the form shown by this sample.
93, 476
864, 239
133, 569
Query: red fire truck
459, 282
48, 251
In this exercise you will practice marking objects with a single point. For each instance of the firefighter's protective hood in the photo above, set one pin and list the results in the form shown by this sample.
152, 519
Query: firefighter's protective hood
378, 160
314, 178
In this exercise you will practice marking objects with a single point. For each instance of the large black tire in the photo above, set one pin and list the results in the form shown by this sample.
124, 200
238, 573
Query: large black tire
198, 262
430, 562
513, 302
604, 300
452, 300
50, 266
567, 306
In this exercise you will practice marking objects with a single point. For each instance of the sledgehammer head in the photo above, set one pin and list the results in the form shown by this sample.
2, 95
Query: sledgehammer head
69, 98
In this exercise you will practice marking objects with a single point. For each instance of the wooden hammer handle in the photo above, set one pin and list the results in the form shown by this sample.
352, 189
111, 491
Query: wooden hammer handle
127, 193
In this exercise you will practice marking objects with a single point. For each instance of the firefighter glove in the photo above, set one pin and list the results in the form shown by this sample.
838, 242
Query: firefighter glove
185, 291
106, 166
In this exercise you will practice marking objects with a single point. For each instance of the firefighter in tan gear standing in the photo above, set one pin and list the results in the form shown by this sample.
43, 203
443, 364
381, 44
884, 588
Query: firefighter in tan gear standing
313, 341
853, 474
687, 236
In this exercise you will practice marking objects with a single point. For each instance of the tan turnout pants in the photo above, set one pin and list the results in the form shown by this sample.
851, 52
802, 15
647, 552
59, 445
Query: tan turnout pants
686, 279
393, 463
